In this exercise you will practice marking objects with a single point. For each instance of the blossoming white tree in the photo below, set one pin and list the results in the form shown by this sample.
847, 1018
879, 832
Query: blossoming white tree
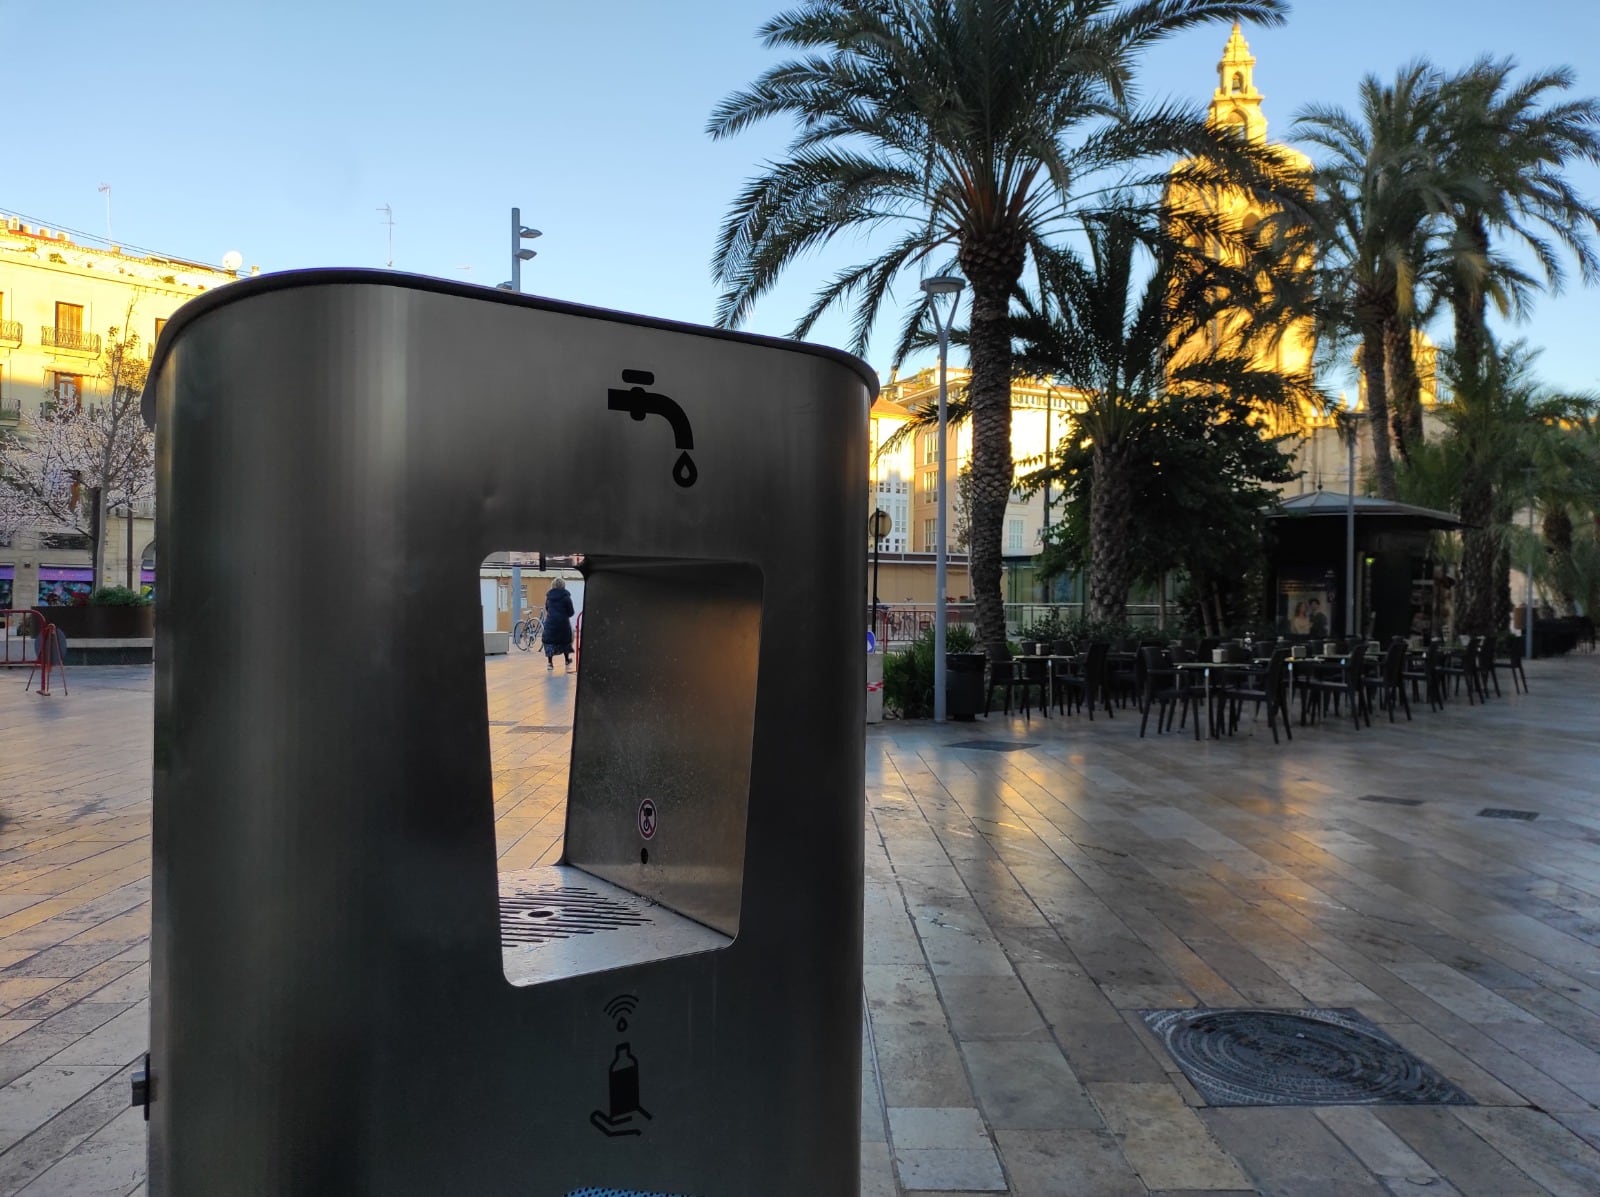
70, 464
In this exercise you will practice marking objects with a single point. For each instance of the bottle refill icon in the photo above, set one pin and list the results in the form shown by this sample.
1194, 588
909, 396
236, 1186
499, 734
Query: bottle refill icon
625, 1105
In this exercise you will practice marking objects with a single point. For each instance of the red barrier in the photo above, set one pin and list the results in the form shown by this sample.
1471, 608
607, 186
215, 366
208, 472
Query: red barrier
40, 643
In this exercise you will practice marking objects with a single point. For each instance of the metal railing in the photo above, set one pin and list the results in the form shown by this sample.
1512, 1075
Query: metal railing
11, 330
898, 624
75, 339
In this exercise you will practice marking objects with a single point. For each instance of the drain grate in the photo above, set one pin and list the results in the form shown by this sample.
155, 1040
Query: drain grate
1495, 812
1389, 800
993, 745
541, 727
547, 912
1332, 1057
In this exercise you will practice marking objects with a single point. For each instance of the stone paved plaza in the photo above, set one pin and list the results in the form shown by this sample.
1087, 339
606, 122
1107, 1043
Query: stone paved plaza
1021, 909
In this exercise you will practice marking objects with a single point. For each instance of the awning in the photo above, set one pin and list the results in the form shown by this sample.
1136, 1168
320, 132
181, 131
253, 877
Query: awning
1330, 504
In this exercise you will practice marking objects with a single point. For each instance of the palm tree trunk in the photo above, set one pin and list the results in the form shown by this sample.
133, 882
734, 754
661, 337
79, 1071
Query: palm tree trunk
1378, 409
1110, 555
1557, 525
1404, 387
1479, 549
989, 393
1467, 301
1500, 612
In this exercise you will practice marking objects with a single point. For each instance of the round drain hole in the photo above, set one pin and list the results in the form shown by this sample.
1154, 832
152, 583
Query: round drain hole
1250, 1057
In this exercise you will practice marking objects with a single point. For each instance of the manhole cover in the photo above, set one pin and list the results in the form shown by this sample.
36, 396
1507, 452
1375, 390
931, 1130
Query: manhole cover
1296, 1058
1494, 812
547, 912
993, 745
1390, 801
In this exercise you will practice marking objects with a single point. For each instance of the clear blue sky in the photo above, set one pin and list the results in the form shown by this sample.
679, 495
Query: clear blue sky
277, 129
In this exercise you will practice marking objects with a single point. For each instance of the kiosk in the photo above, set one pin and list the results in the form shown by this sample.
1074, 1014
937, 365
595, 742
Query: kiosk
346, 995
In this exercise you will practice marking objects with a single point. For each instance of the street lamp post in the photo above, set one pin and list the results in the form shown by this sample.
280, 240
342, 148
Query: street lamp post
1527, 603
1352, 419
880, 523
941, 284
1044, 533
520, 254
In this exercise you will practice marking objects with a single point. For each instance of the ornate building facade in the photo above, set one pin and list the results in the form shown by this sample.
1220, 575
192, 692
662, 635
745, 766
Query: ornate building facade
58, 302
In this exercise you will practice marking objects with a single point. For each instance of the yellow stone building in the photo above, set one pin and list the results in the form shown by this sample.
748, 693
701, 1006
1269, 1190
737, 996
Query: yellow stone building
1321, 456
1236, 106
904, 482
58, 299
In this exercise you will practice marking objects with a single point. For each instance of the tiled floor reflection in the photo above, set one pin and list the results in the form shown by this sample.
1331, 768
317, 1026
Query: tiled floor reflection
1021, 907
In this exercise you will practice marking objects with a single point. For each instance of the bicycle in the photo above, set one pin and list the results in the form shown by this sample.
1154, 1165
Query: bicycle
527, 632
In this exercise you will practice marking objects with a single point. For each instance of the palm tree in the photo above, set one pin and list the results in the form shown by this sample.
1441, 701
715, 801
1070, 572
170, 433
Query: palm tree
1516, 145
1129, 352
1508, 439
970, 126
1381, 187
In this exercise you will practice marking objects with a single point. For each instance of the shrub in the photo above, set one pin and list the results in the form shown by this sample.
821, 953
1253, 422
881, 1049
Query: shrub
1083, 630
908, 675
118, 596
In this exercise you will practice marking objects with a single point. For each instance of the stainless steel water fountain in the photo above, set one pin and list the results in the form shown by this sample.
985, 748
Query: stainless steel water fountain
347, 997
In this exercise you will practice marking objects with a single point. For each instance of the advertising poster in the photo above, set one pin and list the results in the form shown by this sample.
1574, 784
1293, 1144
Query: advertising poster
1306, 605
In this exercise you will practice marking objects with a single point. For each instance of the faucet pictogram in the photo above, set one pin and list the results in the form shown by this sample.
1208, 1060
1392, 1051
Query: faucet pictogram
639, 403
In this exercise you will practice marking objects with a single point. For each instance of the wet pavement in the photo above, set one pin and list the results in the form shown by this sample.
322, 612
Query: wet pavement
1025, 912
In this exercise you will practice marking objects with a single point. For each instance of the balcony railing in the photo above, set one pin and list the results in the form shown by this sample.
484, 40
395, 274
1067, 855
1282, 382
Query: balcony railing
11, 330
74, 339
10, 411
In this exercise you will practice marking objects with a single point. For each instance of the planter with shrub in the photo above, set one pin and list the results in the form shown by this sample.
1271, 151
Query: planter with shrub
111, 613
908, 675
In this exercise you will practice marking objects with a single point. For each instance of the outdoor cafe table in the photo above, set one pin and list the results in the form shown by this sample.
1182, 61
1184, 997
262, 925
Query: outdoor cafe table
1204, 668
1068, 666
1312, 665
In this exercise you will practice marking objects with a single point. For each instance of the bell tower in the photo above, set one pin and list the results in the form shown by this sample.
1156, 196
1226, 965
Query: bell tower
1236, 104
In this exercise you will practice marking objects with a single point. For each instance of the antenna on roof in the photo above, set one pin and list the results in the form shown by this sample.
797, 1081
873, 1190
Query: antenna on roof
388, 213
105, 190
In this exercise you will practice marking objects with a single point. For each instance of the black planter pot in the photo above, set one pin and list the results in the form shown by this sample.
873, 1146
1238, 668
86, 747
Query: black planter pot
963, 685
103, 623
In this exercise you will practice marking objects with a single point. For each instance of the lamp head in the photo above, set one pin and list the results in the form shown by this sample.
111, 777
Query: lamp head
942, 284
528, 233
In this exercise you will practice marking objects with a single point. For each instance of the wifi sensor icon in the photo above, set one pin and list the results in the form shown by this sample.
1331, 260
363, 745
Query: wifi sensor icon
620, 1007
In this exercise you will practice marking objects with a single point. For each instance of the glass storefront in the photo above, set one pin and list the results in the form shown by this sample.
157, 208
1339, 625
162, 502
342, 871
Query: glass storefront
62, 585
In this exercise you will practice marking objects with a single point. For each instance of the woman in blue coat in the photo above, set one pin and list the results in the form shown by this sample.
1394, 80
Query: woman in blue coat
557, 634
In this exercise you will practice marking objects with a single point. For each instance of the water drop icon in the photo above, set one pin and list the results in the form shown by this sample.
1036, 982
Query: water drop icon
684, 472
